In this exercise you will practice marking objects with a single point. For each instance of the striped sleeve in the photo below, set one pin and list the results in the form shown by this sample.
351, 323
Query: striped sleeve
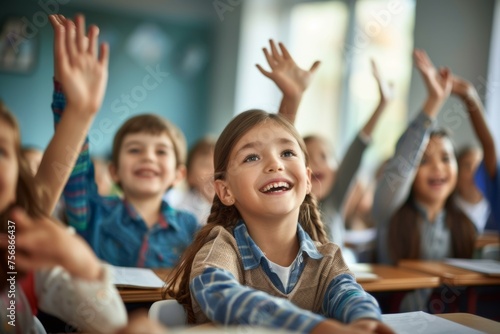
224, 300
346, 301
76, 197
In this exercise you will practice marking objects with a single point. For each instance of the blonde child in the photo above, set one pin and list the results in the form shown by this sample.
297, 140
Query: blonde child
263, 258
54, 270
140, 229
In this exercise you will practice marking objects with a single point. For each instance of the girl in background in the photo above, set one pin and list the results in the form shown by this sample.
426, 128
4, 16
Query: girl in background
413, 206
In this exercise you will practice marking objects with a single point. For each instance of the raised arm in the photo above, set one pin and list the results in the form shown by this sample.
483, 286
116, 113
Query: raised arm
290, 79
468, 94
83, 76
394, 186
350, 163
386, 93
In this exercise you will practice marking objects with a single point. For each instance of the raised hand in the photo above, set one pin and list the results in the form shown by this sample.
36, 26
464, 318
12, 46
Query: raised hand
42, 243
290, 78
463, 89
82, 72
386, 90
438, 83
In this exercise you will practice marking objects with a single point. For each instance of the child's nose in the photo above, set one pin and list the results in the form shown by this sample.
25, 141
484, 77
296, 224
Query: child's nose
149, 155
274, 165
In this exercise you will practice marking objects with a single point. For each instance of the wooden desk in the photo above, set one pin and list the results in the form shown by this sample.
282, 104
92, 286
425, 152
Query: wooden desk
450, 275
472, 321
454, 276
389, 279
487, 238
393, 278
135, 295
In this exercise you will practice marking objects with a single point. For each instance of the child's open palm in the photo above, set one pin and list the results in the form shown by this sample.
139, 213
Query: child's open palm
290, 78
386, 90
82, 72
438, 83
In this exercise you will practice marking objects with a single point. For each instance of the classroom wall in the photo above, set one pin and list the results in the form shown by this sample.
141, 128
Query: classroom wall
457, 34
182, 74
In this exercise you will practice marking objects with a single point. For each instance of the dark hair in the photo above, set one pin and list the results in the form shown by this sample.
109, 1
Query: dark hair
28, 196
151, 124
404, 237
228, 216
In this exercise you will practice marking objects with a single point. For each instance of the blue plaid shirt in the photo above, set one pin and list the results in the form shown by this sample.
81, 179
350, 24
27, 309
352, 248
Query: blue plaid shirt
224, 300
112, 227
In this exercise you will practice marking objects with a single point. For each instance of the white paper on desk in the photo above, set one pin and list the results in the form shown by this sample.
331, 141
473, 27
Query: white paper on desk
421, 322
364, 276
136, 278
488, 267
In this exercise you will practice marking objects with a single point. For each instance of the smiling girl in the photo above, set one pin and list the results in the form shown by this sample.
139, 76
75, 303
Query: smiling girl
263, 258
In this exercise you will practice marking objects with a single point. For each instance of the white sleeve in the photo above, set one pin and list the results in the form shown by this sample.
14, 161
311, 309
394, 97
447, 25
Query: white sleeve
90, 306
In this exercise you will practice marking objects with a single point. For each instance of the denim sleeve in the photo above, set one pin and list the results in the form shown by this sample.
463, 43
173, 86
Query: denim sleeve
81, 184
394, 185
346, 301
224, 300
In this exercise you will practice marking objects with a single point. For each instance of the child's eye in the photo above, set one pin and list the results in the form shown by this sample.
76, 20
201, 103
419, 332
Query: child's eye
423, 161
251, 157
446, 158
133, 150
161, 152
288, 154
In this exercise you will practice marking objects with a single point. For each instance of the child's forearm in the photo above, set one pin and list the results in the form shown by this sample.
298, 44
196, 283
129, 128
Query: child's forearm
476, 113
76, 168
289, 106
432, 106
61, 153
372, 122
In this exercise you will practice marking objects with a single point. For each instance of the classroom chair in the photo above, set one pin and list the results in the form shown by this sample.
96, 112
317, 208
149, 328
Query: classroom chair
168, 312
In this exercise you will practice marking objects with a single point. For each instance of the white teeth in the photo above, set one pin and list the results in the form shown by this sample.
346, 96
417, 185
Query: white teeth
276, 185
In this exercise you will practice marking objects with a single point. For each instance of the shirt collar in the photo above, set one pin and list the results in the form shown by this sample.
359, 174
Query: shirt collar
421, 209
252, 255
166, 219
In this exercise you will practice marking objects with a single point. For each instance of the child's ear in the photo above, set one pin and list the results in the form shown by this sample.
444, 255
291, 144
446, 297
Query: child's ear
309, 184
223, 192
113, 172
180, 174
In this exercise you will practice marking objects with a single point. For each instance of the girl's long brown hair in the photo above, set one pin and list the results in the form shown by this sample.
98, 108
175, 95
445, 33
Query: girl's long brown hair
404, 235
28, 196
228, 216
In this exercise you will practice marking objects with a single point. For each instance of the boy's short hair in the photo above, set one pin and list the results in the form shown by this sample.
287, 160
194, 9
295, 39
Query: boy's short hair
154, 125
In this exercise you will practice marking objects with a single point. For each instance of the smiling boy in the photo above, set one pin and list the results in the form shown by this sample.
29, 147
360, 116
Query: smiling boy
140, 230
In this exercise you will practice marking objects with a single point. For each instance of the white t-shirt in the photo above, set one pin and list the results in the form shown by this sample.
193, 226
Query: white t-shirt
478, 212
282, 272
